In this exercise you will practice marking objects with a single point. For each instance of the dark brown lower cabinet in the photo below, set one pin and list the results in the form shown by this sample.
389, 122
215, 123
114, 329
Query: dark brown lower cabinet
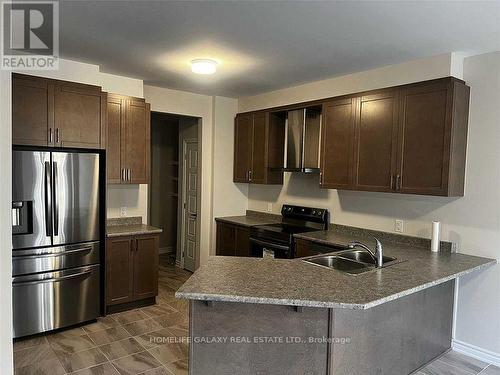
131, 268
232, 240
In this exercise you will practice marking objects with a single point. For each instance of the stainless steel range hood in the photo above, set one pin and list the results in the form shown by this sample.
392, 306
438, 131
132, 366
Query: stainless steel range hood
303, 129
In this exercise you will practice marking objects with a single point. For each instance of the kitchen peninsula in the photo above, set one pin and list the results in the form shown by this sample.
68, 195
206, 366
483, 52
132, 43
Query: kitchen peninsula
292, 317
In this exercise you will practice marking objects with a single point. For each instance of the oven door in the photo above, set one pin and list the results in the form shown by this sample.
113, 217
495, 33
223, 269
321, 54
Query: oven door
263, 248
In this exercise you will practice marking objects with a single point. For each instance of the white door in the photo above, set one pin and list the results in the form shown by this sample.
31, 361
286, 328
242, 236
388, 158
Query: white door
190, 238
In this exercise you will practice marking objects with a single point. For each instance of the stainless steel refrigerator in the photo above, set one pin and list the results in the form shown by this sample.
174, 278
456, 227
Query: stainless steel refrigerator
56, 240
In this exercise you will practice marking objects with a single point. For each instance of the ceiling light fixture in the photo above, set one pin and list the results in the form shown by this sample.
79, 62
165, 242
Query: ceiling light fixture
203, 66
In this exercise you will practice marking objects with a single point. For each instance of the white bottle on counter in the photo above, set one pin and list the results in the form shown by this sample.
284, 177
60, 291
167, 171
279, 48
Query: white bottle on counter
435, 239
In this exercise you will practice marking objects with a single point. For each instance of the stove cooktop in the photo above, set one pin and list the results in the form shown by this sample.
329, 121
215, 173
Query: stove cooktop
285, 228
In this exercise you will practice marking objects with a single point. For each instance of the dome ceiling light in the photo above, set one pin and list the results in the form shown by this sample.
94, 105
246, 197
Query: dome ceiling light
203, 66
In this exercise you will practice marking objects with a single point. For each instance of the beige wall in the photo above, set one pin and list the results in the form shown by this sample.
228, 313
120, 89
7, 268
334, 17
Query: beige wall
413, 71
5, 224
229, 198
472, 222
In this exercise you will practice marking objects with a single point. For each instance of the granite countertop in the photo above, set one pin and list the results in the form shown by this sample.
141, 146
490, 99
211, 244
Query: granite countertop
294, 282
252, 218
130, 226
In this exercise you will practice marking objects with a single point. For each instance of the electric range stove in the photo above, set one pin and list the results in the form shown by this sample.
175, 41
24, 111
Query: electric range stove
276, 240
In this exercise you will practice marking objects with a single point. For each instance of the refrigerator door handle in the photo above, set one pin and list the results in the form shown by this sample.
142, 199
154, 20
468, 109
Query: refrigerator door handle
48, 201
55, 199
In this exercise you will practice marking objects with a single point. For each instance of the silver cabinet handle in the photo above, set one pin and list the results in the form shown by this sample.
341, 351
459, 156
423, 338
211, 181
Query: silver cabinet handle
320, 178
250, 176
398, 182
50, 135
129, 175
123, 174
57, 135
392, 182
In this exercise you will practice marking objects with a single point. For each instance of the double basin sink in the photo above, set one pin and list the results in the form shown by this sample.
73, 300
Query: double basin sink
349, 261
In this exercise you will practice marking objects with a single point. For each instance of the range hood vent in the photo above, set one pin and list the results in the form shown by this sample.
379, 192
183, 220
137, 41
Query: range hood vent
303, 129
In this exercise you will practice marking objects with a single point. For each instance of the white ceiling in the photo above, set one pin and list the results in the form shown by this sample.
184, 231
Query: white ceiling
268, 45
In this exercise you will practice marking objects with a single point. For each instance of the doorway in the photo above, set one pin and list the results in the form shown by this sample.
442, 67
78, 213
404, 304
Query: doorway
174, 191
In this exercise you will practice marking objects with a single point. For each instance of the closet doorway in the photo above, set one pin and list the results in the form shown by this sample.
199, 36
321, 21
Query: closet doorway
174, 191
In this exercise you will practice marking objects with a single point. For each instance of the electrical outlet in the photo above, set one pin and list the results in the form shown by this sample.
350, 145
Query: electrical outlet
398, 226
269, 207
123, 211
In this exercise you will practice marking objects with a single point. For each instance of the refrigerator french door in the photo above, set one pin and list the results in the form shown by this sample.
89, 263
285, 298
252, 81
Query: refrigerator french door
56, 240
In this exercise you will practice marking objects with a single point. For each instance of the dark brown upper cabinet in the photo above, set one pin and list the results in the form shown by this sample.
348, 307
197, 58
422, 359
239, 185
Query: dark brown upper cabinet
259, 141
54, 113
337, 142
32, 111
433, 138
129, 140
409, 139
376, 137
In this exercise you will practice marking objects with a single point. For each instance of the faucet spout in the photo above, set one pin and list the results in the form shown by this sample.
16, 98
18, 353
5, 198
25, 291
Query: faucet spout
377, 255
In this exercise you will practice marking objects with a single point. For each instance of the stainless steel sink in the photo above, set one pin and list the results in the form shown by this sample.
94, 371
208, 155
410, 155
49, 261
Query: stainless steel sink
349, 261
363, 256
338, 263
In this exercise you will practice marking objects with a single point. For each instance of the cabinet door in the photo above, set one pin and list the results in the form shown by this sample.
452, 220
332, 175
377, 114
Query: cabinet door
304, 249
337, 136
425, 139
146, 266
78, 116
115, 129
242, 242
32, 111
226, 239
258, 171
376, 142
243, 132
136, 145
119, 270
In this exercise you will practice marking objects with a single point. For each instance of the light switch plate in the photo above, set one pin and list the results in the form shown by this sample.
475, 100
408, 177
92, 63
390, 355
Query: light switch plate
398, 226
269, 207
123, 211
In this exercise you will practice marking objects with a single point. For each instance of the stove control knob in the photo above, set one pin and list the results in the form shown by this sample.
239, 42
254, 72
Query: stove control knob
314, 212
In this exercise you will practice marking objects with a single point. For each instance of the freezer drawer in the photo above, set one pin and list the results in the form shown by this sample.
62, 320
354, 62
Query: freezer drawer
52, 300
54, 258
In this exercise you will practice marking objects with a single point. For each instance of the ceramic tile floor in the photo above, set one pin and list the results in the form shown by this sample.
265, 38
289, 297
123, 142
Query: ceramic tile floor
147, 341
454, 363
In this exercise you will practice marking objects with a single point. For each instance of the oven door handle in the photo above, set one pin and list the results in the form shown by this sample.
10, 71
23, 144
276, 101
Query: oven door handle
270, 245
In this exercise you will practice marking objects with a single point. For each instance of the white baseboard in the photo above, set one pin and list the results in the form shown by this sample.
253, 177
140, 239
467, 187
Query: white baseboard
476, 352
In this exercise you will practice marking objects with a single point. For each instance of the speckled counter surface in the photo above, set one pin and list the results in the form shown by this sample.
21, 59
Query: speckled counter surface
294, 282
129, 226
131, 230
251, 219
